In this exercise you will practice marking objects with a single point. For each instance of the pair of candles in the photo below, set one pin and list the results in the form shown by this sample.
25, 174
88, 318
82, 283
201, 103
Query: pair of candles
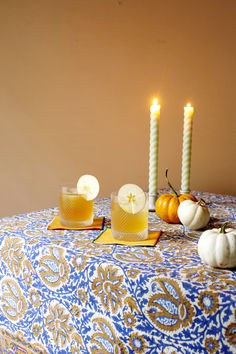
153, 157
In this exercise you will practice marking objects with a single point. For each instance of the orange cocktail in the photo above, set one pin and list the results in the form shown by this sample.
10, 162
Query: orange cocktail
127, 225
74, 209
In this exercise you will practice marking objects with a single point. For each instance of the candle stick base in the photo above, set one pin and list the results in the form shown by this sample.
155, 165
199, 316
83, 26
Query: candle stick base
184, 191
152, 201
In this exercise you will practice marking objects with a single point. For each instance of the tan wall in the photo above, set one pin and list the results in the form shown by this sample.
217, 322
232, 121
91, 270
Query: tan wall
76, 81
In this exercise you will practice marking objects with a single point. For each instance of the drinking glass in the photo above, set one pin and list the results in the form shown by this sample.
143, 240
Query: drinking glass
74, 209
127, 226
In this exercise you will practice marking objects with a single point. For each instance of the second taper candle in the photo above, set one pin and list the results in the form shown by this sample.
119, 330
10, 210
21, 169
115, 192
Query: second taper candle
153, 154
187, 146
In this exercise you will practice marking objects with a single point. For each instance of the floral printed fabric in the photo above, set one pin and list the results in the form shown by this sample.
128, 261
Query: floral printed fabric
61, 293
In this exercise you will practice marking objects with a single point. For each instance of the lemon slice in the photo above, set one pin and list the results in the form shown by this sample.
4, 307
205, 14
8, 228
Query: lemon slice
131, 198
88, 186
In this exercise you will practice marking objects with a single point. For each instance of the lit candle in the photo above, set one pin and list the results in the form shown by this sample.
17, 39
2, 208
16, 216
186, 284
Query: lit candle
187, 145
153, 154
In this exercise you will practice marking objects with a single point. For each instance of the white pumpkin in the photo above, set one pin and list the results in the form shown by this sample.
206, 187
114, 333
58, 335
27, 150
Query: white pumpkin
194, 215
217, 247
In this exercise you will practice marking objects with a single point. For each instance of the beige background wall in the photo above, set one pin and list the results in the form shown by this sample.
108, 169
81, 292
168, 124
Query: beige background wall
76, 81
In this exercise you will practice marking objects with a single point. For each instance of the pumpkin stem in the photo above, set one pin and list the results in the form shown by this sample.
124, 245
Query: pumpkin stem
222, 230
201, 202
175, 193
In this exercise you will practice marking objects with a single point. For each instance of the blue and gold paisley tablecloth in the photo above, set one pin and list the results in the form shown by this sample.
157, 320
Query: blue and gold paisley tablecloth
61, 293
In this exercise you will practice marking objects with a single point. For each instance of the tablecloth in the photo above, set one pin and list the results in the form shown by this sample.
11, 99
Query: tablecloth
61, 293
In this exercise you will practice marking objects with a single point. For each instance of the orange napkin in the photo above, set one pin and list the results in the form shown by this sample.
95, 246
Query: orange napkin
98, 224
106, 238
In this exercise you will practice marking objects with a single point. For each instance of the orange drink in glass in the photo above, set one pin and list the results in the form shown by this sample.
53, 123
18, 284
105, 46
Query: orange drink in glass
129, 226
74, 209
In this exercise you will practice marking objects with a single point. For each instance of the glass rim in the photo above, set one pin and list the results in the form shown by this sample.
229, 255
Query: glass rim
69, 190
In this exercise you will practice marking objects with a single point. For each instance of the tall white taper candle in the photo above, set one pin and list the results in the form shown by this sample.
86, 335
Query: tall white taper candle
187, 146
153, 154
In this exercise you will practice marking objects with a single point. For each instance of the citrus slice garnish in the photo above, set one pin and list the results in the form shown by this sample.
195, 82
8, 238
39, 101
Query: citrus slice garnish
88, 185
131, 198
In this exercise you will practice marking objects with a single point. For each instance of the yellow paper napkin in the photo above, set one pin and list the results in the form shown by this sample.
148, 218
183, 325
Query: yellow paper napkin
98, 224
106, 238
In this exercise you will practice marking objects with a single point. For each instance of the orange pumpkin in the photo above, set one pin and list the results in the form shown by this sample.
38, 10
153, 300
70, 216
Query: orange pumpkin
167, 204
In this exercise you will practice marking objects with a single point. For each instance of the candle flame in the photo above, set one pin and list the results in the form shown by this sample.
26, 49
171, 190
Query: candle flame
155, 107
154, 102
189, 109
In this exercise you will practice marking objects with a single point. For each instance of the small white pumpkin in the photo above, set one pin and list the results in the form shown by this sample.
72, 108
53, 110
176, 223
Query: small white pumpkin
194, 215
217, 247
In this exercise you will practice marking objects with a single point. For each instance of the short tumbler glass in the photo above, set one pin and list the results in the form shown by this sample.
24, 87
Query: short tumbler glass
74, 209
127, 226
